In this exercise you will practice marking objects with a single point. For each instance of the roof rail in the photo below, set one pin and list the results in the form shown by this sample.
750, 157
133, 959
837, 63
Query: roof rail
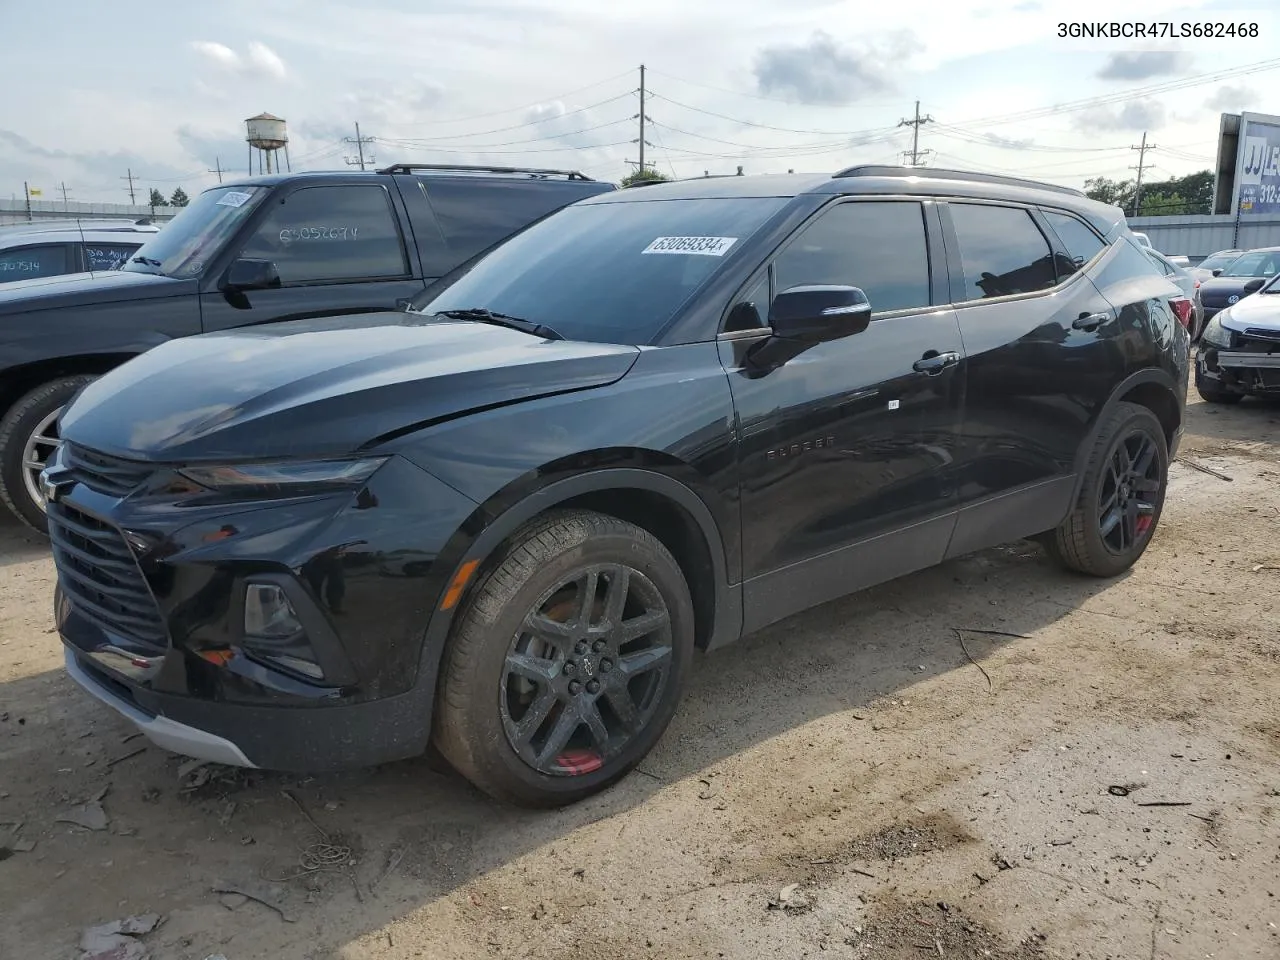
55, 224
528, 171
934, 173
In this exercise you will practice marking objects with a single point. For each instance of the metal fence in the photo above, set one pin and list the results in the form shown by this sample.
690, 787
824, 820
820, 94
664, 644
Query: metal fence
1198, 236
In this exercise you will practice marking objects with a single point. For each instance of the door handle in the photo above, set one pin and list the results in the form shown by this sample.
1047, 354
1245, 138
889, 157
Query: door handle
933, 363
1089, 321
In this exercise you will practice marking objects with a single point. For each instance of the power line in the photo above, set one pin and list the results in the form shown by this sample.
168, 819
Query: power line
529, 123
1121, 97
755, 96
409, 141
762, 126
538, 103
359, 141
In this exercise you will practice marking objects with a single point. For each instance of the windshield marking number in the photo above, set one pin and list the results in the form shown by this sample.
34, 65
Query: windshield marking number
233, 198
698, 246
289, 234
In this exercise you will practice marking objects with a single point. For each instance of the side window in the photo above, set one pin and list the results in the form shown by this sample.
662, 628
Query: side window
1082, 243
27, 263
476, 214
108, 256
879, 246
1161, 263
1002, 251
1130, 260
331, 233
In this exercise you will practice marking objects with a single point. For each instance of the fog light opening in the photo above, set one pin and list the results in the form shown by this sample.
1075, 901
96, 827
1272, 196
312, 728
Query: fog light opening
268, 614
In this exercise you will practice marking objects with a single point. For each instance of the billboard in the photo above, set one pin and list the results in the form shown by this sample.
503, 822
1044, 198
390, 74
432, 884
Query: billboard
1247, 181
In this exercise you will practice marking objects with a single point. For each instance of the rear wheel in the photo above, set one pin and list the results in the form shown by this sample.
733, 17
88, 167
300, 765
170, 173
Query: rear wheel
28, 438
565, 667
1120, 499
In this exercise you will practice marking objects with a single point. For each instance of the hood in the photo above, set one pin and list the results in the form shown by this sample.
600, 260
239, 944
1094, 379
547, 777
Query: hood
1256, 311
327, 387
1217, 291
77, 289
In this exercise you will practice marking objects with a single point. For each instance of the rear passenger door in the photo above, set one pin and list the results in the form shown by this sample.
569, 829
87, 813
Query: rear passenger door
339, 248
456, 218
1041, 348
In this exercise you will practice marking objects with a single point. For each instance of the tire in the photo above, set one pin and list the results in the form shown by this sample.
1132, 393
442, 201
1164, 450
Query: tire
481, 704
1079, 542
1209, 395
26, 418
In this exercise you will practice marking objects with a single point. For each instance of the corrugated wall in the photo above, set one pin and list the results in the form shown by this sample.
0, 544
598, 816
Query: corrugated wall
1199, 236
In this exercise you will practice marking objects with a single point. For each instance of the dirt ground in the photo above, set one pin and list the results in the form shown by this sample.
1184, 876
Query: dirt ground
847, 784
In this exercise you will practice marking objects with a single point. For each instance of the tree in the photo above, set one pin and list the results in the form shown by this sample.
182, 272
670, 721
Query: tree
1179, 196
643, 175
179, 198
1116, 192
157, 198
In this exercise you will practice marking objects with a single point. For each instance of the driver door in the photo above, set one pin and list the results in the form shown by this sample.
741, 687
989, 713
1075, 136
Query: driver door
339, 249
846, 450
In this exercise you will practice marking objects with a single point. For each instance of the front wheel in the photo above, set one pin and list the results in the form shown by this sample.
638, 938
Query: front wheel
1121, 498
28, 437
566, 664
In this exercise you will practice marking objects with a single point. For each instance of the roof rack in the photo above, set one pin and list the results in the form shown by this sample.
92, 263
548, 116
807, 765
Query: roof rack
55, 224
934, 173
528, 171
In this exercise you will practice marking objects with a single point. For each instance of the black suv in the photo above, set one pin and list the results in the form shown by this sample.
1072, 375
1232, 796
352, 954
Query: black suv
249, 252
659, 419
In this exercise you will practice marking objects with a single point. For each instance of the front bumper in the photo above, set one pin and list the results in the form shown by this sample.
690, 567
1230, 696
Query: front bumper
359, 568
1239, 371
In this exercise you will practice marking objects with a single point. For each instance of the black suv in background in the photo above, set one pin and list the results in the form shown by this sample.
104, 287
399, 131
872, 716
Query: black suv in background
655, 421
249, 252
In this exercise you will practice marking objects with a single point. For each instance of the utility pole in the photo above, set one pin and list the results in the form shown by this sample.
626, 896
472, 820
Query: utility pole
63, 187
1142, 162
217, 162
642, 118
915, 125
133, 200
26, 190
359, 141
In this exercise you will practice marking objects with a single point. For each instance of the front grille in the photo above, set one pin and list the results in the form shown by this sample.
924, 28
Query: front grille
1272, 337
100, 577
106, 474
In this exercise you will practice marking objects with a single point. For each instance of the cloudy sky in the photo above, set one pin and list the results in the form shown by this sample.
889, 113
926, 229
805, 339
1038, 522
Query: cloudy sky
96, 89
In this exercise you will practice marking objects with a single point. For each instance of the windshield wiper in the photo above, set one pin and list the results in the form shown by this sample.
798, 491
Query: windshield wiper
147, 262
480, 315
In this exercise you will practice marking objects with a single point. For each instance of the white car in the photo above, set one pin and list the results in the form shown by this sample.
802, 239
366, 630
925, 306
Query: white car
1239, 351
49, 248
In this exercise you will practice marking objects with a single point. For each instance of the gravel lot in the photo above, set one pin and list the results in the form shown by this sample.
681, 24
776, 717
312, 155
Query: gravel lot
845, 784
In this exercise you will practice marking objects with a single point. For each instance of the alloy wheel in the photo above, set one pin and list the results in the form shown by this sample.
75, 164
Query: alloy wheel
40, 446
1129, 491
586, 672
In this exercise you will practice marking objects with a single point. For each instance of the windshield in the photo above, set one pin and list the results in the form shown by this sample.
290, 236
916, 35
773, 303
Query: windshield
192, 238
1217, 260
608, 272
1261, 263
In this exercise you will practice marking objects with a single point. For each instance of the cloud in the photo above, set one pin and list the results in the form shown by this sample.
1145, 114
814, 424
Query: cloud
259, 60
1137, 115
1231, 99
1143, 64
821, 70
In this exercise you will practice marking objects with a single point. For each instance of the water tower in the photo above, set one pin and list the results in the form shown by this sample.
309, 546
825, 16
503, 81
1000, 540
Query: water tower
266, 134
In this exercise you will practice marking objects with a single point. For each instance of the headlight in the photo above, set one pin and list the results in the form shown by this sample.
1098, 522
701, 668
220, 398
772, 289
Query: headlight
285, 476
1215, 334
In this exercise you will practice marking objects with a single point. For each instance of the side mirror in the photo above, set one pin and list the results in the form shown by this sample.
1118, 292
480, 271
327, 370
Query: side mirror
1254, 285
818, 313
1217, 271
247, 274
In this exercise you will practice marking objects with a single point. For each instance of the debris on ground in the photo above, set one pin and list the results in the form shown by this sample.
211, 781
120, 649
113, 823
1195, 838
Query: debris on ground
89, 815
117, 940
791, 899
259, 895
